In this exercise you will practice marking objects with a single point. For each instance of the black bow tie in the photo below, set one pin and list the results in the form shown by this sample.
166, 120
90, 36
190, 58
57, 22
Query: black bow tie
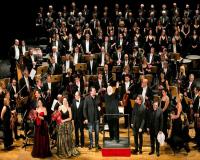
77, 100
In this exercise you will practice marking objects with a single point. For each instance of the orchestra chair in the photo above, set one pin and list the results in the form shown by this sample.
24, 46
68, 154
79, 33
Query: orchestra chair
136, 69
116, 69
132, 103
173, 90
150, 78
81, 67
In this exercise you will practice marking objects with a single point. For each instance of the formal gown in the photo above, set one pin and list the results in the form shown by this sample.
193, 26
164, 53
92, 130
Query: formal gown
8, 139
65, 144
41, 147
165, 119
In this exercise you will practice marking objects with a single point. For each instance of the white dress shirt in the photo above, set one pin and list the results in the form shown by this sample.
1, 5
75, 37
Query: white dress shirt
77, 103
102, 59
127, 84
56, 57
87, 46
75, 58
67, 65
144, 91
17, 54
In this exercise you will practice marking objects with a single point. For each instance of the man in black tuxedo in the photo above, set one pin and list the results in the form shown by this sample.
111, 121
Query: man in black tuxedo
92, 66
91, 113
26, 84
137, 123
78, 118
30, 60
14, 55
54, 68
154, 127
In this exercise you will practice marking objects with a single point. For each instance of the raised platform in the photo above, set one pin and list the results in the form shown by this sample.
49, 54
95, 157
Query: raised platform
113, 148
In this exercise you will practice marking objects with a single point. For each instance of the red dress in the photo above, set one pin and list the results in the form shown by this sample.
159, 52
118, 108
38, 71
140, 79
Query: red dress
41, 148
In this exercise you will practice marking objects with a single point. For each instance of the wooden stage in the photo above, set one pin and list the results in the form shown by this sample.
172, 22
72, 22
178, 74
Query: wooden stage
19, 153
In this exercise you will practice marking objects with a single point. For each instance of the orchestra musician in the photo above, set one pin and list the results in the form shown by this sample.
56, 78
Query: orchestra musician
14, 55
155, 127
127, 90
137, 123
6, 115
78, 118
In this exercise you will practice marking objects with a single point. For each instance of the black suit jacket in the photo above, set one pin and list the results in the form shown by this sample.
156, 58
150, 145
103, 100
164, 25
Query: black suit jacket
93, 70
56, 71
196, 105
155, 125
90, 46
77, 113
90, 111
138, 117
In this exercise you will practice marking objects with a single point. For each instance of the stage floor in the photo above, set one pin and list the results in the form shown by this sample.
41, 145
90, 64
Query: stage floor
19, 153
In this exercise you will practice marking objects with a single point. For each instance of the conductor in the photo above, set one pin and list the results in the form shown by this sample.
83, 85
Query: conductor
111, 105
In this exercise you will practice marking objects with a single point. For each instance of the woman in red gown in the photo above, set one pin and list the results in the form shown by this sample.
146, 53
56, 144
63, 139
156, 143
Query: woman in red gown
41, 148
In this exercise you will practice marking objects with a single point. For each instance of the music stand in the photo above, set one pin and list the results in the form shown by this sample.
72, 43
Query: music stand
116, 69
81, 67
56, 78
41, 70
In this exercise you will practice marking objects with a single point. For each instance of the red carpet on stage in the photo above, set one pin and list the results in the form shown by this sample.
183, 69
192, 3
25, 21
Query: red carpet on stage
111, 152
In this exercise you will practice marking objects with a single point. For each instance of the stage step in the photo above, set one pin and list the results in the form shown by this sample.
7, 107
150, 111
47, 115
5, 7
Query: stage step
116, 152
113, 148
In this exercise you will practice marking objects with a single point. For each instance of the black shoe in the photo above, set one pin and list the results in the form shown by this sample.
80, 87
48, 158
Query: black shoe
82, 145
76, 145
152, 152
158, 154
17, 137
140, 152
135, 151
186, 147
98, 147
90, 147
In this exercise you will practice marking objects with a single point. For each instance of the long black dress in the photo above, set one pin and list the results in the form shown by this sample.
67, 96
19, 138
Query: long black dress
8, 139
41, 147
165, 119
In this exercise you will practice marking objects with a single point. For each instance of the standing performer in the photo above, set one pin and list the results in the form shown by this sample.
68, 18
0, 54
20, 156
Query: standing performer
111, 105
78, 118
7, 129
155, 126
92, 116
65, 145
41, 148
138, 120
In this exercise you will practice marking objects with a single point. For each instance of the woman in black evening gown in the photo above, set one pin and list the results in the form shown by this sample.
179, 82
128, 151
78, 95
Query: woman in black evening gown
6, 119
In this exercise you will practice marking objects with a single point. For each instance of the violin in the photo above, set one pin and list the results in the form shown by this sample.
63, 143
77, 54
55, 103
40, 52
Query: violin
126, 96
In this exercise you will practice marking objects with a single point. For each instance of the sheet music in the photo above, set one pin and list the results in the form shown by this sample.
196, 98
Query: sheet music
32, 73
